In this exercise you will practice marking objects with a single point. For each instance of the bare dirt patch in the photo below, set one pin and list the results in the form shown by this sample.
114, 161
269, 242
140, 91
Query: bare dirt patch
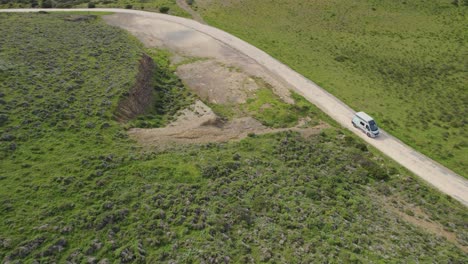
217, 84
198, 124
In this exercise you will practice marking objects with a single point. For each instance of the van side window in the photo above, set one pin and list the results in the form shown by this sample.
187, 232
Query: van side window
361, 123
367, 127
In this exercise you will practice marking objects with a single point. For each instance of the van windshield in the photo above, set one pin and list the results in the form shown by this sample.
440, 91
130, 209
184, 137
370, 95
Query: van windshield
373, 125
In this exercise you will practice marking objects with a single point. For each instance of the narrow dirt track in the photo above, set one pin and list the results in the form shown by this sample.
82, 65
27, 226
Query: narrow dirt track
189, 34
183, 4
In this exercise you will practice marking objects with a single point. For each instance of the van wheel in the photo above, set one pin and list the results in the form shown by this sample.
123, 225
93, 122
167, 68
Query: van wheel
368, 134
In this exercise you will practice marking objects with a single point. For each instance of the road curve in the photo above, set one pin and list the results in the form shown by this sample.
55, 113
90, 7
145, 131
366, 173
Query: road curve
432, 172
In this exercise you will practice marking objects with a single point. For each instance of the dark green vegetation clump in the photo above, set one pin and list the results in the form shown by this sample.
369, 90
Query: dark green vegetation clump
403, 62
74, 188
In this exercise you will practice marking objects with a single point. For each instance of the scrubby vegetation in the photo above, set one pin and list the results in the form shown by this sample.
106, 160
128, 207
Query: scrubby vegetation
74, 188
404, 62
162, 6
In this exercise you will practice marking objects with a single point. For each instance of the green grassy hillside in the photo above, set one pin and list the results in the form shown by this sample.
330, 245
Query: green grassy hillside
74, 188
404, 62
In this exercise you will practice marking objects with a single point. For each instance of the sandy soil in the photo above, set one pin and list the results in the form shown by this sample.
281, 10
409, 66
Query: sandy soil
192, 39
215, 83
198, 124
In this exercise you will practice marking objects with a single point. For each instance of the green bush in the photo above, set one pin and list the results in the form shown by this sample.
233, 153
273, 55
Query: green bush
164, 9
460, 2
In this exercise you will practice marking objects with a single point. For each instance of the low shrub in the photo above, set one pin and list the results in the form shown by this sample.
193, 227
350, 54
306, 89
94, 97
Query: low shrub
164, 9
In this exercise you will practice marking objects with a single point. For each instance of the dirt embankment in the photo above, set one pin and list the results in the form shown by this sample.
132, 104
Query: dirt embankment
215, 84
140, 98
218, 75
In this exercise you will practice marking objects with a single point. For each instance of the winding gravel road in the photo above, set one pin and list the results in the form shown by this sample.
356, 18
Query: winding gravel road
205, 37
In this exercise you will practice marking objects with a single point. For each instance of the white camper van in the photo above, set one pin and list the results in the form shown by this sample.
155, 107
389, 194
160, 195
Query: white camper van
366, 124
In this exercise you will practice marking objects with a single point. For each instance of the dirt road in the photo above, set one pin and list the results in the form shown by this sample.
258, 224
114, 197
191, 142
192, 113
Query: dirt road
195, 39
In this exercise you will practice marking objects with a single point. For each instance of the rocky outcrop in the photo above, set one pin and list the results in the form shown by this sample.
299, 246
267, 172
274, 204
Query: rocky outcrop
140, 98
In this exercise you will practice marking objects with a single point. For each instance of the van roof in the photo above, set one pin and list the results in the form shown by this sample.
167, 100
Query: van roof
364, 116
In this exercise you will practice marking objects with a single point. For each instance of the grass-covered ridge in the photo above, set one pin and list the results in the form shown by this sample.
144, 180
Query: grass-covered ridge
404, 62
74, 188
